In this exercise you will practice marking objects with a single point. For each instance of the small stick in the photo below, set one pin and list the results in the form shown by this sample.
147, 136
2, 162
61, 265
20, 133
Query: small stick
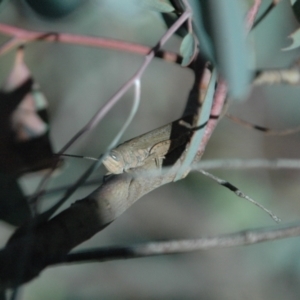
240, 194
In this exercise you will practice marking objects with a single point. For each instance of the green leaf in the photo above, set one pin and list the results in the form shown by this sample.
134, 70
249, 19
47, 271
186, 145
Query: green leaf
295, 36
170, 19
203, 117
296, 8
224, 21
188, 49
163, 6
205, 41
54, 8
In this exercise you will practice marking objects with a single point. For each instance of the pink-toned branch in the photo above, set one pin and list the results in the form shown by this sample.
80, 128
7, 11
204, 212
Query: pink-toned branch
252, 13
217, 107
221, 91
102, 111
22, 36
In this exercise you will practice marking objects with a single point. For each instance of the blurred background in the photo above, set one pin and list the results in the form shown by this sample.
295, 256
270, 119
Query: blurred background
78, 80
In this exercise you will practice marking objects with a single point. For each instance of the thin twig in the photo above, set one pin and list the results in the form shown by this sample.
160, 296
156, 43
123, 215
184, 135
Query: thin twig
78, 156
24, 35
242, 238
12, 43
107, 107
218, 103
239, 193
63, 188
231, 164
265, 13
265, 130
47, 214
275, 164
251, 15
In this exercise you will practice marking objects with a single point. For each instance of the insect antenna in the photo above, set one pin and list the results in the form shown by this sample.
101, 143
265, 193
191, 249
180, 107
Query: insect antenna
77, 156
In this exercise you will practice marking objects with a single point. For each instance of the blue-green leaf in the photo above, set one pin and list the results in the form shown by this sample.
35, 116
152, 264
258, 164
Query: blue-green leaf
163, 6
229, 35
295, 36
223, 22
206, 45
170, 19
54, 8
188, 49
203, 117
296, 8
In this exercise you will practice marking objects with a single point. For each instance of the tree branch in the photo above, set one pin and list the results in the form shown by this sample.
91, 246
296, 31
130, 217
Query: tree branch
242, 238
50, 240
273, 164
21, 36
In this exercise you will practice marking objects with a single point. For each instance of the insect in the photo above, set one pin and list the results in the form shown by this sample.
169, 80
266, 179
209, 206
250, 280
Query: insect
151, 145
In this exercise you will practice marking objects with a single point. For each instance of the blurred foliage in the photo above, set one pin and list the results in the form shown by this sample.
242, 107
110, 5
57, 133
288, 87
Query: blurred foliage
53, 8
214, 22
296, 9
14, 208
223, 21
159, 5
188, 49
295, 36
78, 80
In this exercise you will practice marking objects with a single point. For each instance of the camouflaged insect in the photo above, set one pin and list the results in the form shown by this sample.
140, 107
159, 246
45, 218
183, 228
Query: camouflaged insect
152, 145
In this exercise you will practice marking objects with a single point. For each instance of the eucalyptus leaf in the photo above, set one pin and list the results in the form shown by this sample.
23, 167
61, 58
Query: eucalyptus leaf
225, 24
188, 49
54, 9
163, 6
205, 41
170, 19
203, 117
178, 5
295, 36
296, 8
